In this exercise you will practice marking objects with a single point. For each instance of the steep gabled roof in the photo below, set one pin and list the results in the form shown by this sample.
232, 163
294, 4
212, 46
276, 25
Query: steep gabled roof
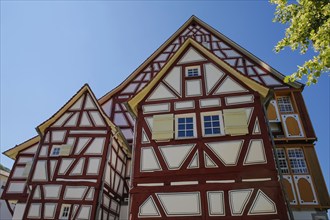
133, 102
41, 128
196, 21
12, 153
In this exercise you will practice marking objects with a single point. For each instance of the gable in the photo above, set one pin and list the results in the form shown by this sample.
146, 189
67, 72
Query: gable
82, 113
82, 110
225, 49
214, 77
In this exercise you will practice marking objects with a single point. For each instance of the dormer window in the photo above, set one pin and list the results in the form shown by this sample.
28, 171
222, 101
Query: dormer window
193, 71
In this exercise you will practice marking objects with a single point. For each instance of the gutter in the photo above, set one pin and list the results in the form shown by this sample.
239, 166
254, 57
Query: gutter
287, 203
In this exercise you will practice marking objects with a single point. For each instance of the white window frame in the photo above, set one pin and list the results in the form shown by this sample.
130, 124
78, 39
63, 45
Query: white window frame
222, 129
62, 211
53, 149
191, 68
191, 115
283, 162
285, 103
300, 161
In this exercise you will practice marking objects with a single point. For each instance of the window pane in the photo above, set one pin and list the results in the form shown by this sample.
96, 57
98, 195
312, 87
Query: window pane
208, 131
216, 124
181, 120
215, 117
189, 120
181, 133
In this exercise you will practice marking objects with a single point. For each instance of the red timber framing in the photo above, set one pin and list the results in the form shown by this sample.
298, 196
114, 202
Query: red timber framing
152, 189
76, 171
16, 189
218, 44
163, 175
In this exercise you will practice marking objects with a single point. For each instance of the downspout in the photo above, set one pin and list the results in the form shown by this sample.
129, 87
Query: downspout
279, 170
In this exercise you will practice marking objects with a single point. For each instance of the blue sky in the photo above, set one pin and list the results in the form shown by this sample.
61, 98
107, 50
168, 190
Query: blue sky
49, 49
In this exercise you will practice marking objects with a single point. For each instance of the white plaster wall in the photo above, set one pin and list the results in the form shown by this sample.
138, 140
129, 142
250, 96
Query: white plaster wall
19, 211
123, 212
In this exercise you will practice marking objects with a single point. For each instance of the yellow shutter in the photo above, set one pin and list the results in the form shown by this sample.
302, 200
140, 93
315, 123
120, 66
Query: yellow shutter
235, 121
162, 128
65, 150
27, 169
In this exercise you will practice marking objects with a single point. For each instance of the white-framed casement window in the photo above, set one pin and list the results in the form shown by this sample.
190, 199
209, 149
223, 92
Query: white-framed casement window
65, 211
284, 104
192, 71
212, 123
297, 161
185, 126
282, 160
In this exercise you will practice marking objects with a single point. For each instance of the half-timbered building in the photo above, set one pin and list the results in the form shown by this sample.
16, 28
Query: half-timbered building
202, 129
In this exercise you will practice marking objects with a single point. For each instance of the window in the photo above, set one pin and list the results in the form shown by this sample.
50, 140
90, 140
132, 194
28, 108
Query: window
212, 123
56, 151
185, 126
284, 104
193, 71
61, 150
282, 160
297, 161
65, 211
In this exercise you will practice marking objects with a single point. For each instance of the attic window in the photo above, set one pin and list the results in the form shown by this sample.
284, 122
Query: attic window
65, 211
56, 151
193, 71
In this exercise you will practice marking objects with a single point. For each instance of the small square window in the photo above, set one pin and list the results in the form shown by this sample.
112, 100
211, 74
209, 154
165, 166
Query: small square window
56, 151
193, 71
185, 126
65, 211
212, 123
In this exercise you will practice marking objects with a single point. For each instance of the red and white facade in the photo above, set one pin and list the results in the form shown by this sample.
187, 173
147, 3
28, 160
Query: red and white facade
190, 158
185, 136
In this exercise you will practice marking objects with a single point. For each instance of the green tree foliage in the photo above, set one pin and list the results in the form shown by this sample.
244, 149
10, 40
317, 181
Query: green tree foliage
309, 25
